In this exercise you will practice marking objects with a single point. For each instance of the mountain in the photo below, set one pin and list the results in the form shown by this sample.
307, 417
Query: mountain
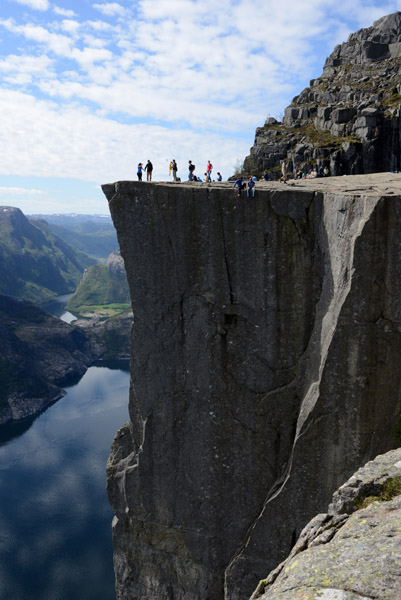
102, 285
39, 354
35, 264
92, 234
348, 119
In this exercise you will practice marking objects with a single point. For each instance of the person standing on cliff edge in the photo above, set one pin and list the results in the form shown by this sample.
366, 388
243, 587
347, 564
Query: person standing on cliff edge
191, 169
209, 168
139, 172
284, 171
174, 169
148, 169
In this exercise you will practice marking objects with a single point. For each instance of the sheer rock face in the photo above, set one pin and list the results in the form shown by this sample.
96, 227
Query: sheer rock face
264, 372
349, 118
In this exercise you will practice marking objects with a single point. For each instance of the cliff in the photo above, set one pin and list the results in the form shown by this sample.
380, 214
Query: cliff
348, 118
264, 372
353, 551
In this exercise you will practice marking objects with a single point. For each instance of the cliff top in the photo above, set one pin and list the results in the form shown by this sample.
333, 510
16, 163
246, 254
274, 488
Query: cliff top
377, 184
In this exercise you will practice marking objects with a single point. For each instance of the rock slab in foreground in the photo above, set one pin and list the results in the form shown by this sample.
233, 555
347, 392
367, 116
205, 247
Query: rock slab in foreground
264, 372
348, 553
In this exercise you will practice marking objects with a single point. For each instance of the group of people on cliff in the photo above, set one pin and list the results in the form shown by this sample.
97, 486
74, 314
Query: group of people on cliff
321, 171
315, 171
208, 173
173, 168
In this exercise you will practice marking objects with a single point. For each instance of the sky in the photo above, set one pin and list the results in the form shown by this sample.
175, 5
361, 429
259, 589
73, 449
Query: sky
90, 88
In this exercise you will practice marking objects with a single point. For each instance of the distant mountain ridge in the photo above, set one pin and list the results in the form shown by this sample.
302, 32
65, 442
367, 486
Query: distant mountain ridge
92, 234
36, 264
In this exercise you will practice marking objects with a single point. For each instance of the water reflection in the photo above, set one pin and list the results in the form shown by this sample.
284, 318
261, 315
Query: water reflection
55, 540
57, 308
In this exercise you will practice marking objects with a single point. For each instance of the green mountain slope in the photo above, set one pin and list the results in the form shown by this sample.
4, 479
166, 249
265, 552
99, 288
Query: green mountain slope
102, 285
92, 234
35, 264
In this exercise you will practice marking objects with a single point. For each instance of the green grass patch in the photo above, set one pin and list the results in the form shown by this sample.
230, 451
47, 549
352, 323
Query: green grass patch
390, 489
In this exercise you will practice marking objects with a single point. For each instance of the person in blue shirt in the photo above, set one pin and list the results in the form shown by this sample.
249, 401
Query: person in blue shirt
266, 176
240, 185
139, 172
219, 177
251, 187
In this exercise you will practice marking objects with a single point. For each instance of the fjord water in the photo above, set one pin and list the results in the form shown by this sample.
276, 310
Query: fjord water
55, 520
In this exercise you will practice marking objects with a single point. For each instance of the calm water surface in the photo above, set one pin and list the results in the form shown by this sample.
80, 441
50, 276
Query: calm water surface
55, 521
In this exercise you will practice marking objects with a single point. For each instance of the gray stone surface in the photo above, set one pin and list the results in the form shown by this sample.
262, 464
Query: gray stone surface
351, 552
349, 118
264, 372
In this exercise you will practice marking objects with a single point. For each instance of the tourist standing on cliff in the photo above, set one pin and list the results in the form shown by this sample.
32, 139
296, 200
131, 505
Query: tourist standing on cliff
139, 172
219, 176
174, 169
284, 171
148, 169
191, 169
209, 168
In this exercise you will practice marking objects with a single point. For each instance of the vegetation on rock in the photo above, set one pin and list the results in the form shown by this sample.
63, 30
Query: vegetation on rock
35, 264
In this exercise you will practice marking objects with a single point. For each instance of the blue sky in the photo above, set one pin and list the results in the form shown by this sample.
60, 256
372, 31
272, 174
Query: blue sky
90, 88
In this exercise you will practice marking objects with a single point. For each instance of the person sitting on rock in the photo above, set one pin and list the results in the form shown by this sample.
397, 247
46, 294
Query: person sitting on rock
326, 171
251, 187
219, 177
266, 176
240, 185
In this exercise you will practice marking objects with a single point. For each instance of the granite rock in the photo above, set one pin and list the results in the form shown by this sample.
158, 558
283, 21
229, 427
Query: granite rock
264, 372
349, 118
352, 552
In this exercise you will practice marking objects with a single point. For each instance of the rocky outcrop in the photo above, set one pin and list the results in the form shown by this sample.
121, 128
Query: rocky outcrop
264, 372
110, 338
353, 551
39, 355
349, 118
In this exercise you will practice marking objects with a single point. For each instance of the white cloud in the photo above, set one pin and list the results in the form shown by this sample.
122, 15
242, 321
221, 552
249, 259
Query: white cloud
158, 79
63, 12
35, 4
17, 191
37, 138
111, 9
